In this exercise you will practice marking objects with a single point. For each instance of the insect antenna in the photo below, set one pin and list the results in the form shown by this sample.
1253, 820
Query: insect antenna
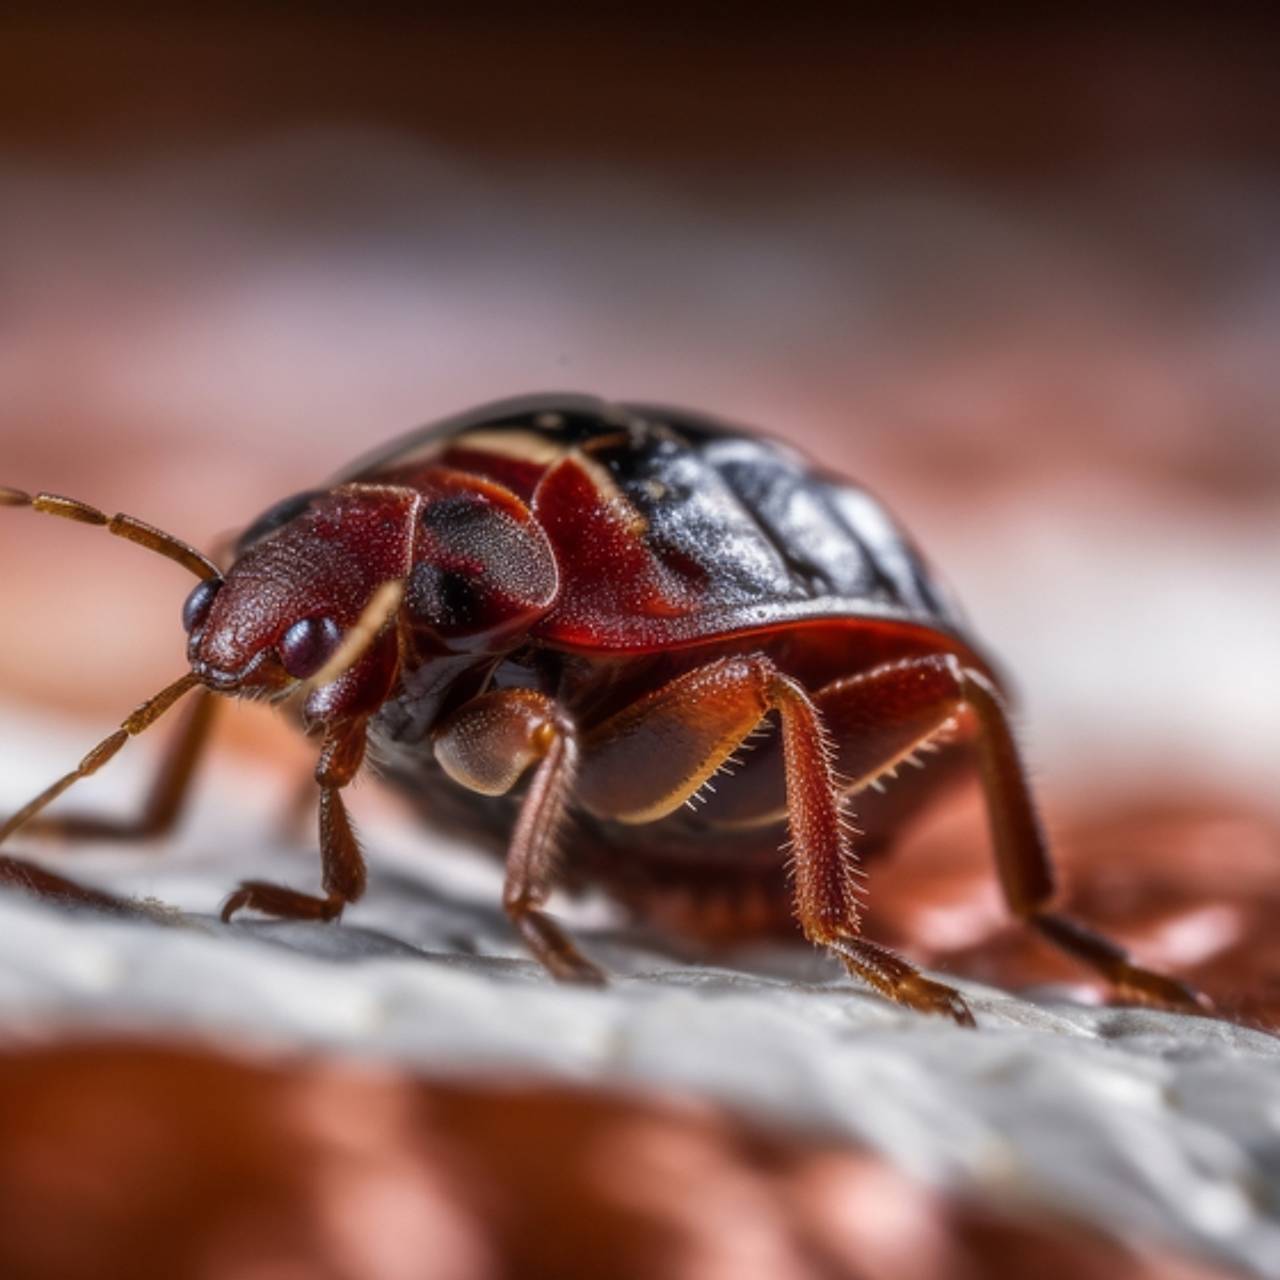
145, 535
143, 718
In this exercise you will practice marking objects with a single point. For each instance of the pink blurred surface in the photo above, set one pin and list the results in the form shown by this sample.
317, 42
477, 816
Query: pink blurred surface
235, 1168
1067, 394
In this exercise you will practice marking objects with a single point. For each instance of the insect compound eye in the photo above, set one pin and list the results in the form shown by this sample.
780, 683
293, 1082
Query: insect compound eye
308, 645
196, 609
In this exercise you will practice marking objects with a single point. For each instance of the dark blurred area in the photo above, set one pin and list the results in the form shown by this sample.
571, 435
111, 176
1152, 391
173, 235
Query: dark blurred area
696, 86
1022, 279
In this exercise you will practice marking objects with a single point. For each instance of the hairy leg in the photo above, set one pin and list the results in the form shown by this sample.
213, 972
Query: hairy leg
648, 759
920, 695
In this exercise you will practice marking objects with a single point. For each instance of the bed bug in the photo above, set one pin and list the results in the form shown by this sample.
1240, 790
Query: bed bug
561, 624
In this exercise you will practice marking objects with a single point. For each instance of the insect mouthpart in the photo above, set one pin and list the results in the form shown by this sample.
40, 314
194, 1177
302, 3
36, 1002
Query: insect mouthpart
227, 681
250, 677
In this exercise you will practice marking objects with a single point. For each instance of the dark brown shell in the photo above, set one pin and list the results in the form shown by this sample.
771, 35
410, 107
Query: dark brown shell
672, 529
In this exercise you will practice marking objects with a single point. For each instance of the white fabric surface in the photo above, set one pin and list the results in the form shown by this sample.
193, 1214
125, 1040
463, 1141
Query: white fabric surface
1151, 1125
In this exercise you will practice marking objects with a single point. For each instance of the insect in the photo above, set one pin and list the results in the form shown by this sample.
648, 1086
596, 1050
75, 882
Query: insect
562, 626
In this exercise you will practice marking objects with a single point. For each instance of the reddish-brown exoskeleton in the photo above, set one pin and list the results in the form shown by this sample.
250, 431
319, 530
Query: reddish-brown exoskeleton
611, 601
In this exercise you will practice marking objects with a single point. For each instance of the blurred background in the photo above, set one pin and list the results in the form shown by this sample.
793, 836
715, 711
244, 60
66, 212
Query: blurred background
1021, 280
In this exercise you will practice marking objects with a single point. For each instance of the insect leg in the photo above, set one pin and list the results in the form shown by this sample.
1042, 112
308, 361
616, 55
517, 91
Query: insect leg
1022, 858
648, 759
880, 715
35, 879
487, 746
164, 801
141, 719
342, 864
